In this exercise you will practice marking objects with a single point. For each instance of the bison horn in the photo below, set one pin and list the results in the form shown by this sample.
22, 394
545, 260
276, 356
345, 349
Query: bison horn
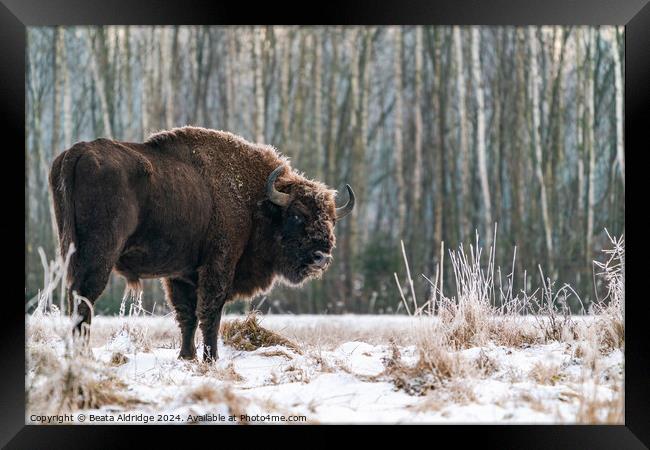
347, 208
275, 196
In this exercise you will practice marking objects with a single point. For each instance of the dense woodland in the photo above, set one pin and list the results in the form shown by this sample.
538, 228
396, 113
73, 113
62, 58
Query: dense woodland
441, 131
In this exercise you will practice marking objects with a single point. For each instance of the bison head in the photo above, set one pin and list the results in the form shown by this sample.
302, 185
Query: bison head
304, 214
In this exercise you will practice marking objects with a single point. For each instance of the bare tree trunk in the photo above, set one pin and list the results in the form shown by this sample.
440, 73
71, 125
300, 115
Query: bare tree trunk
67, 96
363, 142
318, 132
580, 133
331, 144
284, 88
354, 128
100, 87
57, 44
438, 93
464, 202
480, 134
197, 71
516, 165
399, 146
589, 141
170, 44
129, 133
298, 124
259, 90
417, 147
145, 91
231, 64
535, 83
57, 64
207, 74
618, 86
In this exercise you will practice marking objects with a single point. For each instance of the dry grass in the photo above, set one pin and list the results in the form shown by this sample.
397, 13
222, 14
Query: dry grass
593, 410
227, 373
534, 402
247, 334
513, 331
79, 382
485, 364
434, 366
546, 373
138, 335
277, 352
207, 393
470, 319
611, 309
42, 359
118, 359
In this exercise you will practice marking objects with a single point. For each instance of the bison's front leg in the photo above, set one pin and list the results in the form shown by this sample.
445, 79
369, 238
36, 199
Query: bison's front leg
212, 296
210, 318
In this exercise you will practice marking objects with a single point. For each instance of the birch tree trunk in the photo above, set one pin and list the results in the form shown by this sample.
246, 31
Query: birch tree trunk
298, 105
589, 141
417, 146
99, 85
318, 132
57, 42
516, 171
358, 173
354, 128
56, 91
129, 133
439, 159
618, 87
232, 101
145, 91
259, 89
171, 75
537, 145
399, 146
67, 97
580, 133
463, 137
284, 89
480, 134
331, 144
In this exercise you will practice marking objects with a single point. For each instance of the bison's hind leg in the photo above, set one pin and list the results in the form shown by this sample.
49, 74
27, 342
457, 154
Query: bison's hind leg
105, 215
181, 295
88, 285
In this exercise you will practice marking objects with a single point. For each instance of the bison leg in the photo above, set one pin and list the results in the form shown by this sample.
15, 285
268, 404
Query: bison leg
182, 296
95, 260
88, 285
210, 317
210, 301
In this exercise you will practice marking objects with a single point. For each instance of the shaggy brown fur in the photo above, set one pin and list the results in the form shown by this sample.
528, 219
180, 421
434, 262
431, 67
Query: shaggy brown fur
189, 206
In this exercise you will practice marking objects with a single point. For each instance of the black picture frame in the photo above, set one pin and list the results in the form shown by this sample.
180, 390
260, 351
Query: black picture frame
16, 15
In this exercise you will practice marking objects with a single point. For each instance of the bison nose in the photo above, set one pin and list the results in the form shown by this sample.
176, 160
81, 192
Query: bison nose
321, 259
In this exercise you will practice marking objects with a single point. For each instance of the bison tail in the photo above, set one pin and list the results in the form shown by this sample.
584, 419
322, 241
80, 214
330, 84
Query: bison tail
62, 187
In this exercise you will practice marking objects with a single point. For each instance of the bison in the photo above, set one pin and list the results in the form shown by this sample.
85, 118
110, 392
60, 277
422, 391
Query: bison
214, 216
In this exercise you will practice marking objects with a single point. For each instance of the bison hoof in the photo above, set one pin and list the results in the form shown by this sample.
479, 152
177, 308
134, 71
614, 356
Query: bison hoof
187, 356
209, 358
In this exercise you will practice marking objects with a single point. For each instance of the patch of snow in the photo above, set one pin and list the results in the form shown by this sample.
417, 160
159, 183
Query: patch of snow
346, 384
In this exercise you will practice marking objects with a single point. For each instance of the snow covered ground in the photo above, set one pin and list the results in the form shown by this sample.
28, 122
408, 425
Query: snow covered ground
339, 375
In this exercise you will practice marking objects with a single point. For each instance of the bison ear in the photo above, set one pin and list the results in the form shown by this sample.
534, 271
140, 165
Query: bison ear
270, 210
